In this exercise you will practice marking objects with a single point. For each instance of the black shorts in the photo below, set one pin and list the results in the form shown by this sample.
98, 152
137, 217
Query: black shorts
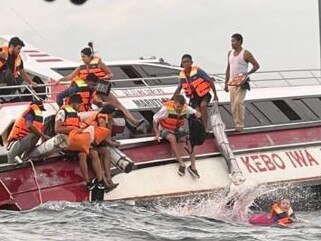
196, 102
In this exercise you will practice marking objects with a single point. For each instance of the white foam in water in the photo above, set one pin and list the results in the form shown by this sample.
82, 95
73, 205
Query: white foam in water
214, 206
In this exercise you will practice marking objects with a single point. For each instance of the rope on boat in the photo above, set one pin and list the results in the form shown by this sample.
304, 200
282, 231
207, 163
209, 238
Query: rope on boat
7, 189
35, 173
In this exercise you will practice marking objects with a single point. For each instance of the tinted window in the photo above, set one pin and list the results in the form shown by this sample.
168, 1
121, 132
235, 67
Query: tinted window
286, 109
160, 71
64, 71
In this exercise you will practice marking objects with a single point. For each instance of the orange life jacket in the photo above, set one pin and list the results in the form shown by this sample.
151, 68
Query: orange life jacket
283, 216
17, 61
91, 68
174, 120
194, 86
84, 92
101, 132
72, 118
20, 128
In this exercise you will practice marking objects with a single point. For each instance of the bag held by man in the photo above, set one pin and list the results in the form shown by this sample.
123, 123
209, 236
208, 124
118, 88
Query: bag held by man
197, 132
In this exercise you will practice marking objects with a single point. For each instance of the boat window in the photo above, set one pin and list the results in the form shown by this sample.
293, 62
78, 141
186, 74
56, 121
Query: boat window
64, 71
225, 111
271, 112
314, 104
253, 117
160, 71
286, 109
152, 71
125, 73
310, 108
130, 71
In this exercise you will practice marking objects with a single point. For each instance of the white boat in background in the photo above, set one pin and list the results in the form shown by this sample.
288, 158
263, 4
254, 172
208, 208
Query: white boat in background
280, 144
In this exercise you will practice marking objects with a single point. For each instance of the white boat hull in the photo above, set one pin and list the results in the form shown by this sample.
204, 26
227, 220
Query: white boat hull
299, 166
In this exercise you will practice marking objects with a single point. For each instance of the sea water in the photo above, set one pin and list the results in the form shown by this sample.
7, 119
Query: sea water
205, 218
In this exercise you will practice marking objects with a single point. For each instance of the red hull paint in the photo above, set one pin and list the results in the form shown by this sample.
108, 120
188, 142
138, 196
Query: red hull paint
57, 180
62, 180
155, 151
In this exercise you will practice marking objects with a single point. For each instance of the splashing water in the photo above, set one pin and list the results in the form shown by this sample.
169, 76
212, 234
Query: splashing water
217, 207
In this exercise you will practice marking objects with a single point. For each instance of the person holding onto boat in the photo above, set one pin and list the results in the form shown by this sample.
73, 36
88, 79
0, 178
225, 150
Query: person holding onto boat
197, 85
168, 123
26, 132
100, 147
12, 71
87, 91
237, 78
281, 212
92, 64
68, 122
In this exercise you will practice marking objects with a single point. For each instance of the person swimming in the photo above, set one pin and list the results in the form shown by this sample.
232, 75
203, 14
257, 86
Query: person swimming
281, 212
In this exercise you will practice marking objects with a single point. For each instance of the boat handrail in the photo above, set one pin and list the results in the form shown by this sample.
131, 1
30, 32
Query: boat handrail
280, 78
311, 74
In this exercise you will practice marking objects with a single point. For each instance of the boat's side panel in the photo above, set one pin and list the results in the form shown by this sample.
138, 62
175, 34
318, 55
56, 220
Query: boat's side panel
302, 164
163, 180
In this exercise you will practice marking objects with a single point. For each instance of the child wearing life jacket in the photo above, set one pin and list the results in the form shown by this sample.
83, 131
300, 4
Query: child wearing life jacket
281, 212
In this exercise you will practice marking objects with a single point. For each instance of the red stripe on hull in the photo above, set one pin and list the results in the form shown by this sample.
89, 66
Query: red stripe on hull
155, 151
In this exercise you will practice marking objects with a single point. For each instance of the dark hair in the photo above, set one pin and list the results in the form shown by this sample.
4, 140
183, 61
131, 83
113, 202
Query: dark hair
108, 109
88, 50
15, 41
238, 37
92, 78
188, 56
75, 98
179, 99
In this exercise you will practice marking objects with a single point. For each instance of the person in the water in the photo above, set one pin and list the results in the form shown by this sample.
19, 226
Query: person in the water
281, 212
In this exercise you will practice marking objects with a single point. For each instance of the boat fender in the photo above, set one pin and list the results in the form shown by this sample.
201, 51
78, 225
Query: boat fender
120, 160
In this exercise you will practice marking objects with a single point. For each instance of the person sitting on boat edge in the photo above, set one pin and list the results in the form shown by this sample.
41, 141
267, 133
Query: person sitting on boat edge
68, 122
12, 71
26, 132
168, 123
92, 64
100, 148
197, 85
281, 212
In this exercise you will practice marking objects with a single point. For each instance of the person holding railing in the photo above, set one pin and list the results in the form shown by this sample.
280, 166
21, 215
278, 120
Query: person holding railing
92, 64
197, 85
87, 91
237, 78
12, 71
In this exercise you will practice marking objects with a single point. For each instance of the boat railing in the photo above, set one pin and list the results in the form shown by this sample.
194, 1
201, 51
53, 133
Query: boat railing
260, 79
280, 78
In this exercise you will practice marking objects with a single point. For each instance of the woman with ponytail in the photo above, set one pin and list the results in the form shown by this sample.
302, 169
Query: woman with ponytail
92, 64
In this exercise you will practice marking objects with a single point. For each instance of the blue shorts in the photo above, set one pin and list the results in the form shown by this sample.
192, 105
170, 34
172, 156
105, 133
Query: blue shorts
179, 133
